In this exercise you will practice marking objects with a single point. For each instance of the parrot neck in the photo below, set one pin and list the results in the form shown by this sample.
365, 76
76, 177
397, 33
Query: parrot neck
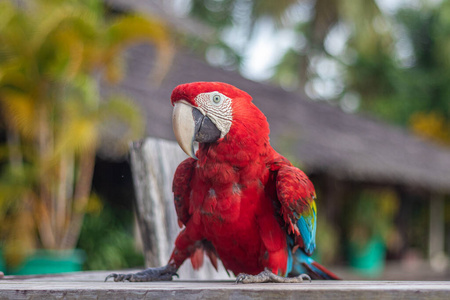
242, 153
247, 141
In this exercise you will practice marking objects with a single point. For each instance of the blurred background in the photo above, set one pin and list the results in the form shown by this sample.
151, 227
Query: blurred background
367, 84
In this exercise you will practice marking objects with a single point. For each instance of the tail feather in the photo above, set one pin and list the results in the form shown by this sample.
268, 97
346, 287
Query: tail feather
198, 255
311, 272
303, 264
197, 258
325, 273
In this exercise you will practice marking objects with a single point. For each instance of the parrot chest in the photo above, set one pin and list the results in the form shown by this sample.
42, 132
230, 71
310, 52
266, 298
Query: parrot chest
228, 205
223, 195
227, 220
227, 217
223, 206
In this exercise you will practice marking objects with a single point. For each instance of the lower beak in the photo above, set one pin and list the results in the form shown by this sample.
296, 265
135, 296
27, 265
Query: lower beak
190, 125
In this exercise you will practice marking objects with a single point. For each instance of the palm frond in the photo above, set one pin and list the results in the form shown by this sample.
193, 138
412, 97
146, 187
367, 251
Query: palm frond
51, 52
132, 29
19, 111
121, 123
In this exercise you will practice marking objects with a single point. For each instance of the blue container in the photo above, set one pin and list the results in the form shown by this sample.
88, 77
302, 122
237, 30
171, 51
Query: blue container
50, 262
368, 260
2, 263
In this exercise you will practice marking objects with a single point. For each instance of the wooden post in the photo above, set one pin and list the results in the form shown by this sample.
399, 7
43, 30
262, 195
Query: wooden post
153, 164
437, 256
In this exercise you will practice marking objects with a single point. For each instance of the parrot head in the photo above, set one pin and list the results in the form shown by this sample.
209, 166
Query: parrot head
207, 112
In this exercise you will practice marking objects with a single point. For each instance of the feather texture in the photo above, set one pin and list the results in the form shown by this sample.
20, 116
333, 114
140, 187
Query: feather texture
241, 201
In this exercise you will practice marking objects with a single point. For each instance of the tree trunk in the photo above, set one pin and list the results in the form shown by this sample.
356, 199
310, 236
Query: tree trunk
438, 259
80, 199
45, 221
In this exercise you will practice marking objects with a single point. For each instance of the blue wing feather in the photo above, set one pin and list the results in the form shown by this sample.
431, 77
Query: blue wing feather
307, 225
300, 263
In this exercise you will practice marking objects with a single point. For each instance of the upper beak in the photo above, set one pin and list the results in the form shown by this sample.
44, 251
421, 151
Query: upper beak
189, 125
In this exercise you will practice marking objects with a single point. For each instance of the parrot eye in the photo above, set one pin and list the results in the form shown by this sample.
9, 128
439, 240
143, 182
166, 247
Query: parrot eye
216, 99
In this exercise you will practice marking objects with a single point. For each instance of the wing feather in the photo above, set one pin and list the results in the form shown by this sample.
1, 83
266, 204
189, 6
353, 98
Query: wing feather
296, 195
181, 188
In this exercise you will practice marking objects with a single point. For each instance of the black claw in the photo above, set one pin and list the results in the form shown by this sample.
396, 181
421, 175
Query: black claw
241, 278
152, 274
110, 276
305, 276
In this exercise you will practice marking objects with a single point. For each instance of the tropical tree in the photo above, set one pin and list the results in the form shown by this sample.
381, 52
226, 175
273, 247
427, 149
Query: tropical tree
389, 63
312, 21
420, 97
407, 84
53, 53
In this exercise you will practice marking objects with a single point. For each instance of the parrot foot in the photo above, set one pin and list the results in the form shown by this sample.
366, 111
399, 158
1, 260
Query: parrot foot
151, 274
268, 276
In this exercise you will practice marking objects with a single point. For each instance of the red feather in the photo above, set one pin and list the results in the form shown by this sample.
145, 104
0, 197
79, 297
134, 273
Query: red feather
240, 195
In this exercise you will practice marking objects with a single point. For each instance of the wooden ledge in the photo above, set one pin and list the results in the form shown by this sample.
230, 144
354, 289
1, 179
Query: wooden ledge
90, 285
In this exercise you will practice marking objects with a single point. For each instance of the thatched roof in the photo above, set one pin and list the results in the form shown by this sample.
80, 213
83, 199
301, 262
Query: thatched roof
322, 137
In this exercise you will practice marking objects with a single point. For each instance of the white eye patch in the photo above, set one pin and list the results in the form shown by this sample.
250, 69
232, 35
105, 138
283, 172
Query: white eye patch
217, 107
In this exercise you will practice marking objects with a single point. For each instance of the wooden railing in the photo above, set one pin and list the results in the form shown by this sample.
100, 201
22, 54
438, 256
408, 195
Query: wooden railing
90, 285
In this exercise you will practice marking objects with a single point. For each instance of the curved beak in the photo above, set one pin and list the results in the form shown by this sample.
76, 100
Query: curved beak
189, 125
184, 127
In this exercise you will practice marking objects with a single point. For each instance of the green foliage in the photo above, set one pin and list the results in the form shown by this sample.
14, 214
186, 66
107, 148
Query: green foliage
107, 238
52, 55
414, 92
371, 215
213, 12
398, 64
327, 240
287, 71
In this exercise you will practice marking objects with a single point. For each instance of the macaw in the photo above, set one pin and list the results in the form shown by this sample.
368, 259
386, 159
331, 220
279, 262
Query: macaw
236, 198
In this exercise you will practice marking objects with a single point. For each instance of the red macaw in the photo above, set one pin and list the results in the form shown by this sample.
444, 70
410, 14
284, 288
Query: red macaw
237, 198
